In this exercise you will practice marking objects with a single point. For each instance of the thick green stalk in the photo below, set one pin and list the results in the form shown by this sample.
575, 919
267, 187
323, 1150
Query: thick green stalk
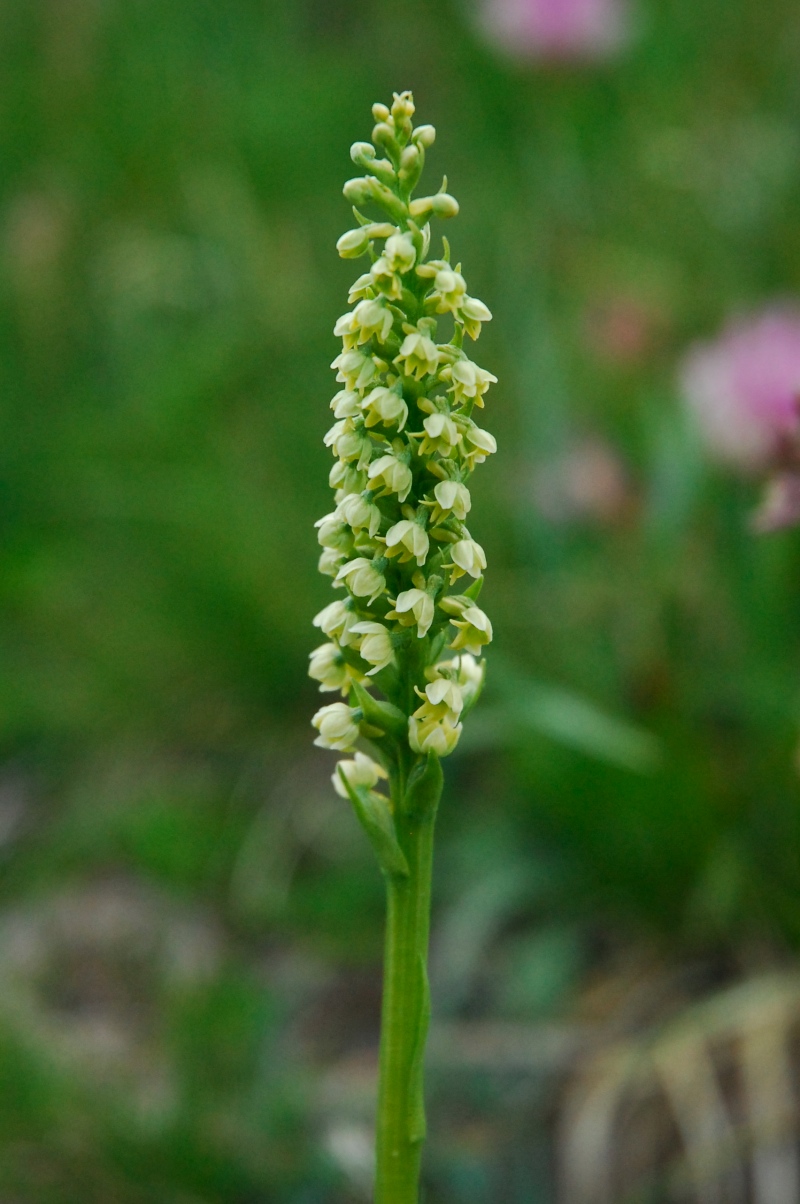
405, 1013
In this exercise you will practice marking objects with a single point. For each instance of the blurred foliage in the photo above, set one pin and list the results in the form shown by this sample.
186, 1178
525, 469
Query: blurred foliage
169, 204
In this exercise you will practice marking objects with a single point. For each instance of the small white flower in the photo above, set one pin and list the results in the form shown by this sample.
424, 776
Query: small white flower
469, 381
376, 645
386, 406
361, 288
400, 253
468, 557
372, 318
392, 474
484, 443
336, 621
414, 606
450, 288
433, 729
346, 404
362, 771
333, 533
445, 691
329, 562
330, 669
475, 630
353, 244
407, 540
363, 578
336, 726
360, 513
451, 498
385, 280
418, 355
441, 435
349, 442
355, 369
465, 671
473, 312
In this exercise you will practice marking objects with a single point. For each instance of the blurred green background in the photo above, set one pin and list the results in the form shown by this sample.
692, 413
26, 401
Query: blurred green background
191, 925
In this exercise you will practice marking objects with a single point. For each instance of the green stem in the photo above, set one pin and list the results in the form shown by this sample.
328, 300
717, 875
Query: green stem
405, 1014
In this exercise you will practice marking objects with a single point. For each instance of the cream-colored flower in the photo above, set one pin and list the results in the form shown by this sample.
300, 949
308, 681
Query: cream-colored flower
353, 243
336, 726
386, 406
333, 533
372, 318
433, 729
391, 475
331, 670
473, 313
400, 253
451, 498
474, 630
482, 442
418, 355
414, 606
444, 690
385, 280
363, 578
468, 557
349, 442
361, 513
346, 404
336, 621
449, 290
362, 771
441, 435
361, 288
355, 369
376, 645
329, 562
408, 540
468, 380
466, 671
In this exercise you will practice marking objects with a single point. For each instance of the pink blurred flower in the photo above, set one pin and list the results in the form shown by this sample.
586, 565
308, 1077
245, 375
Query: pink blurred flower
744, 386
558, 30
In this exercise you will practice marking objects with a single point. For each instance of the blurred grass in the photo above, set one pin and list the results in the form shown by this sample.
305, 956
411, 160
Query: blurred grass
169, 203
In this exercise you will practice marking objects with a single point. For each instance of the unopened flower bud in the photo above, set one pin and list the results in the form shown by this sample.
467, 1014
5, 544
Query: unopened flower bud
409, 158
358, 191
402, 106
329, 668
444, 205
383, 134
425, 135
380, 112
354, 243
361, 152
362, 771
376, 645
336, 726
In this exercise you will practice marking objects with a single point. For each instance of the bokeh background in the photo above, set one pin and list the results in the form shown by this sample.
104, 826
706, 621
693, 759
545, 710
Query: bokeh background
191, 923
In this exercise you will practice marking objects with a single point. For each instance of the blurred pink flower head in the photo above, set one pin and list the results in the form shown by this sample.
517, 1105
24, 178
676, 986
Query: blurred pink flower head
557, 30
743, 388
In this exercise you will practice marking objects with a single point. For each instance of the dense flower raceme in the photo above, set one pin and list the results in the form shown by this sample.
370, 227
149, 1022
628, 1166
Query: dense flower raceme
405, 442
743, 389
